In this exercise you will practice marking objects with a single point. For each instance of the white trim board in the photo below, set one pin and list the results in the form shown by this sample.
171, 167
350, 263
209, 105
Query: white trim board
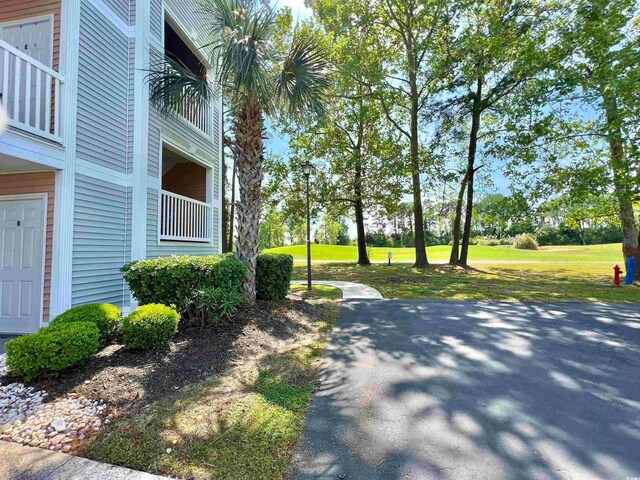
93, 170
113, 17
45, 208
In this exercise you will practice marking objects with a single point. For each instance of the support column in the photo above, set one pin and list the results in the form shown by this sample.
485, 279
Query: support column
62, 261
140, 132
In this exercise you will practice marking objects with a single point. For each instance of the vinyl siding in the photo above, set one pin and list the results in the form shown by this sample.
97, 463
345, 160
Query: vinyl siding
156, 19
103, 91
192, 20
40, 182
100, 241
120, 7
154, 250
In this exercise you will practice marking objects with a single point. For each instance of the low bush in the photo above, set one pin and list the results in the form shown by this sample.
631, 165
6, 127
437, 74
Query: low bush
105, 316
52, 350
149, 326
525, 242
213, 305
273, 275
176, 280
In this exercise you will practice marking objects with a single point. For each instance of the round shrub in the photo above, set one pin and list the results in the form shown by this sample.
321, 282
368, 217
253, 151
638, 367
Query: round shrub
105, 316
52, 349
273, 275
149, 326
525, 241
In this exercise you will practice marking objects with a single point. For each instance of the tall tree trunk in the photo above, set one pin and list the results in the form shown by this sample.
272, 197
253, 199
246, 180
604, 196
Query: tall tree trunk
454, 258
232, 209
418, 221
363, 256
249, 132
223, 204
473, 145
622, 182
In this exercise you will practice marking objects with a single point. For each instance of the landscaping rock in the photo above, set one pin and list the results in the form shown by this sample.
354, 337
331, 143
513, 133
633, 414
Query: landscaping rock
59, 424
25, 418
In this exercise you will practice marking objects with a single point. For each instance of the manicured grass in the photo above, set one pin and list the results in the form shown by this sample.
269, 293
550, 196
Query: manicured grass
242, 424
495, 282
610, 254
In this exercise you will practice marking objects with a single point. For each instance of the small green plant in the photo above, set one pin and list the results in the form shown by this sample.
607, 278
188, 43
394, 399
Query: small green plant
149, 326
525, 242
273, 275
105, 316
214, 304
52, 350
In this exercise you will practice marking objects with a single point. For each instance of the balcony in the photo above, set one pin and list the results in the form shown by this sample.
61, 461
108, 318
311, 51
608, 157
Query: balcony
197, 114
30, 92
185, 213
177, 46
184, 219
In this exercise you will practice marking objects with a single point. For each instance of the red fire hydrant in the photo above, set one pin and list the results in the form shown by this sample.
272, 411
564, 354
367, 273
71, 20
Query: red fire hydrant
616, 275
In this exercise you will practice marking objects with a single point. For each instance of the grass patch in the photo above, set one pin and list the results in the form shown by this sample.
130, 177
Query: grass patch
607, 254
491, 282
241, 425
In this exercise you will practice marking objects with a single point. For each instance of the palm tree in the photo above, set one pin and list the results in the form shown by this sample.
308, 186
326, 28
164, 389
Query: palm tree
258, 77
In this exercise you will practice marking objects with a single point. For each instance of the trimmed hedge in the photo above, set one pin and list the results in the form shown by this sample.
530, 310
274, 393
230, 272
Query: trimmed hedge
105, 316
176, 280
52, 349
273, 275
149, 326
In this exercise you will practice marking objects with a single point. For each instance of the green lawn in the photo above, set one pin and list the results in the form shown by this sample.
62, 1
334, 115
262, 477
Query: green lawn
609, 254
491, 282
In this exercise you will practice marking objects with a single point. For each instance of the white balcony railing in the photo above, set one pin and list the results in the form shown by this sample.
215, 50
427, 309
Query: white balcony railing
30, 93
184, 219
198, 114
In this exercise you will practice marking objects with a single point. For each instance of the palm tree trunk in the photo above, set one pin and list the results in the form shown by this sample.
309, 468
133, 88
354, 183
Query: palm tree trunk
249, 133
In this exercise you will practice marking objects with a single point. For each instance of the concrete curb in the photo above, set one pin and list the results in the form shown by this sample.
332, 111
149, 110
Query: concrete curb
29, 463
350, 290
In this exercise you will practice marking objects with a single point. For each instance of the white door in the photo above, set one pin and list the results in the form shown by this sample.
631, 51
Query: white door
21, 265
33, 37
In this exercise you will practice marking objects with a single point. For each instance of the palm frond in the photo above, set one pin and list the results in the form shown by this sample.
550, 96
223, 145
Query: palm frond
241, 46
303, 82
172, 85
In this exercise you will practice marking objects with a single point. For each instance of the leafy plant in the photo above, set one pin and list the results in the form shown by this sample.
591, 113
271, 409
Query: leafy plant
214, 304
105, 316
273, 275
177, 280
149, 326
52, 350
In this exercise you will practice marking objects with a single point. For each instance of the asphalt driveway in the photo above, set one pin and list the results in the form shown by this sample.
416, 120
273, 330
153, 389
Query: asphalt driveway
457, 390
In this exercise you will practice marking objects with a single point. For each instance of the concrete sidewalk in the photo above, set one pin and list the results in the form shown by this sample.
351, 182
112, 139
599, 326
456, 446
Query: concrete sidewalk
350, 290
27, 463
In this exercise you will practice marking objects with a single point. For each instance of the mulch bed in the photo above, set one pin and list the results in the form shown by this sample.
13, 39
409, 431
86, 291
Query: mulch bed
129, 380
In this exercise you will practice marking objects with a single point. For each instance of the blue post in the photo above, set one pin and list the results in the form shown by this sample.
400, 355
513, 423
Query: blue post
631, 267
